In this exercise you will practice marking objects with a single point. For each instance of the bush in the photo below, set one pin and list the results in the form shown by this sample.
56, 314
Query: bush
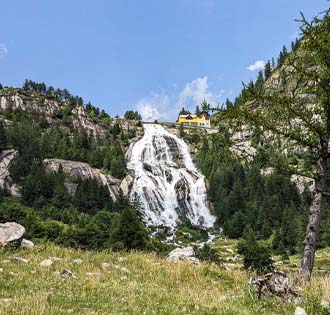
50, 230
188, 233
207, 253
11, 211
130, 233
256, 256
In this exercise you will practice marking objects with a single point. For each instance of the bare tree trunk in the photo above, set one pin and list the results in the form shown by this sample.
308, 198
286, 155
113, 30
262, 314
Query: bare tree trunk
313, 225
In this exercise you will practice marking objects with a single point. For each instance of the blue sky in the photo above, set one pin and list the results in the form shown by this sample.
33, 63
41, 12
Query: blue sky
152, 55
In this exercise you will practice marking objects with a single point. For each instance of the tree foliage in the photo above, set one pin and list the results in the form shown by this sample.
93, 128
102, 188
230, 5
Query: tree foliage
132, 115
256, 256
294, 111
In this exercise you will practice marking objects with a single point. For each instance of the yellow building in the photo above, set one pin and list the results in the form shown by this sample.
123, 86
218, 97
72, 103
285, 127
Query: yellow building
201, 120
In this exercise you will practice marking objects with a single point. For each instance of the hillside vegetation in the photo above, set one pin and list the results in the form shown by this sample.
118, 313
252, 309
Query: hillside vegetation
75, 206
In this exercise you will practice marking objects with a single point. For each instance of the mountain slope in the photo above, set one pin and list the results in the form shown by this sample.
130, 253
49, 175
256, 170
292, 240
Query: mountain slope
63, 170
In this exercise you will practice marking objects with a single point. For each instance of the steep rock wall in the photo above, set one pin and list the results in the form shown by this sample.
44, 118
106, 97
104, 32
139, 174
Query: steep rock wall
6, 182
75, 170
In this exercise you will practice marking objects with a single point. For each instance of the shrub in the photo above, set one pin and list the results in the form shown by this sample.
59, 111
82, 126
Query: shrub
256, 256
207, 253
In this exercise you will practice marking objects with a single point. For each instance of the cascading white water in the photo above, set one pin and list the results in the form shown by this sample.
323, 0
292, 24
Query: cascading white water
167, 182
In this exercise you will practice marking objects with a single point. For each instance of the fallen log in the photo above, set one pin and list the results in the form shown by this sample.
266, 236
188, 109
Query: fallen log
275, 284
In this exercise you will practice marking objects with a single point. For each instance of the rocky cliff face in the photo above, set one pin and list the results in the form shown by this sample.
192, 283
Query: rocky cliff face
28, 101
76, 170
6, 157
72, 169
79, 118
24, 101
82, 120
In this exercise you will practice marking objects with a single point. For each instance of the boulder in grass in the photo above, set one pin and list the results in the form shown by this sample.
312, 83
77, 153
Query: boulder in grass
20, 259
183, 254
67, 274
11, 232
105, 266
26, 243
46, 263
77, 261
300, 311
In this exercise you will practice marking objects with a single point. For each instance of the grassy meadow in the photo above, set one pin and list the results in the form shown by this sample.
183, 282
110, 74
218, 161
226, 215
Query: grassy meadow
133, 283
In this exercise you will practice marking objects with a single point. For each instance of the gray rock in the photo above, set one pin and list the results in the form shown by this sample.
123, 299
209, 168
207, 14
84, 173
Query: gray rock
55, 258
186, 234
77, 261
6, 157
67, 273
182, 189
11, 232
233, 259
123, 269
126, 185
91, 274
5, 261
121, 259
80, 119
26, 243
77, 170
105, 266
20, 259
229, 250
46, 263
300, 311
183, 254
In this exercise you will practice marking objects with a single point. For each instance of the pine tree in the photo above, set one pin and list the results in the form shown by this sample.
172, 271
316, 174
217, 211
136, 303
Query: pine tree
205, 106
255, 255
278, 238
197, 111
181, 131
26, 84
229, 104
260, 80
273, 64
3, 136
184, 112
130, 234
267, 70
283, 56
282, 251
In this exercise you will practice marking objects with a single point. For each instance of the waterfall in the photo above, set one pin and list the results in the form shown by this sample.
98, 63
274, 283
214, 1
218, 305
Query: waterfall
166, 180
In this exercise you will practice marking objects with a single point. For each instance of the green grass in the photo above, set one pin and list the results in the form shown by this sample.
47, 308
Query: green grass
152, 286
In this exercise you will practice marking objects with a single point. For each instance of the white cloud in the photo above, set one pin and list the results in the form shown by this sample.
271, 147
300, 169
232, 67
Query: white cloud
166, 107
196, 91
153, 107
3, 50
258, 65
